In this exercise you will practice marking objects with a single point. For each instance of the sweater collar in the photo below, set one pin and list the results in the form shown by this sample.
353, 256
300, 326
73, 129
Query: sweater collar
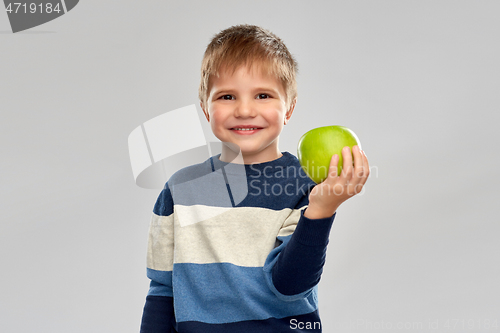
235, 168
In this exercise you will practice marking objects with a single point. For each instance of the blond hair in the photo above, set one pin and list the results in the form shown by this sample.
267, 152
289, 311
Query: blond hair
246, 45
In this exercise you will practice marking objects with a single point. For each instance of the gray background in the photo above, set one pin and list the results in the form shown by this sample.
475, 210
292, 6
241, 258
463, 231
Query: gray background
418, 81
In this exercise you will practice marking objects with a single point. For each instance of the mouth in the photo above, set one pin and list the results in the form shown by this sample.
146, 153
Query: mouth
245, 130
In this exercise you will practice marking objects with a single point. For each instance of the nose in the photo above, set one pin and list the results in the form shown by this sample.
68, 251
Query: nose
245, 109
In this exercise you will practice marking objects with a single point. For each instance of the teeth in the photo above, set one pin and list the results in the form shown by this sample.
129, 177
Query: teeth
245, 129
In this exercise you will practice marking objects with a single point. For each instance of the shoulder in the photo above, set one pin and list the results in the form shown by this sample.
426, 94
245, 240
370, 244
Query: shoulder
184, 176
295, 170
191, 172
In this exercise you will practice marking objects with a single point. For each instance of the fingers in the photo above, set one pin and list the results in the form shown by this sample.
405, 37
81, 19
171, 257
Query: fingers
366, 168
352, 178
362, 171
352, 173
358, 162
332, 172
347, 165
355, 175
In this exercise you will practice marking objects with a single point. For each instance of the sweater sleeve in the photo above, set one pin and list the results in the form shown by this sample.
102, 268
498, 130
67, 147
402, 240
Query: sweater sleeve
158, 315
295, 266
300, 262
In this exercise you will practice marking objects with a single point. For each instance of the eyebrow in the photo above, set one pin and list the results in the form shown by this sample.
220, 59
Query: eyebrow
232, 90
222, 90
267, 89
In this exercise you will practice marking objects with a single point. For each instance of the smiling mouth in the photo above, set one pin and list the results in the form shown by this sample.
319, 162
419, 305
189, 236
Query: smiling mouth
245, 131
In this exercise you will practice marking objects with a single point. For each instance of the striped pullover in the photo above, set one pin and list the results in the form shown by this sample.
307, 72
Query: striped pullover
230, 250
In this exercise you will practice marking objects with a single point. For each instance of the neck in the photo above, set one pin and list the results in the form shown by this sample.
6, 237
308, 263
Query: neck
230, 156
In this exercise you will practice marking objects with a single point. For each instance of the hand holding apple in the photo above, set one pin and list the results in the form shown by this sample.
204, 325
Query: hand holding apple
337, 187
327, 196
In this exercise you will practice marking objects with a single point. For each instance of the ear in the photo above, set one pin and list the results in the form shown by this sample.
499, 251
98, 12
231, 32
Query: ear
288, 114
205, 111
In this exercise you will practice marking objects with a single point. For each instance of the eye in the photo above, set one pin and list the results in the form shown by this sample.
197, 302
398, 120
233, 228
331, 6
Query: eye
263, 96
226, 97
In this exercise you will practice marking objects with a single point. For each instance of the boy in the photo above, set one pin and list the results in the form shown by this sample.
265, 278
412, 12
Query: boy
251, 263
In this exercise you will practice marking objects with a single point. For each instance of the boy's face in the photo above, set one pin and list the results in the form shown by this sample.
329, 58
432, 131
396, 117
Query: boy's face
247, 98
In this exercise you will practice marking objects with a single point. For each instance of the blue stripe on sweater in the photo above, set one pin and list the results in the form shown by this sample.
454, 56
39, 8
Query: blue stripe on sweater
161, 283
224, 293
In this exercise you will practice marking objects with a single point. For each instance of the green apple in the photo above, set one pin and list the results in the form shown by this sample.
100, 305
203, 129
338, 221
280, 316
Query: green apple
316, 148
